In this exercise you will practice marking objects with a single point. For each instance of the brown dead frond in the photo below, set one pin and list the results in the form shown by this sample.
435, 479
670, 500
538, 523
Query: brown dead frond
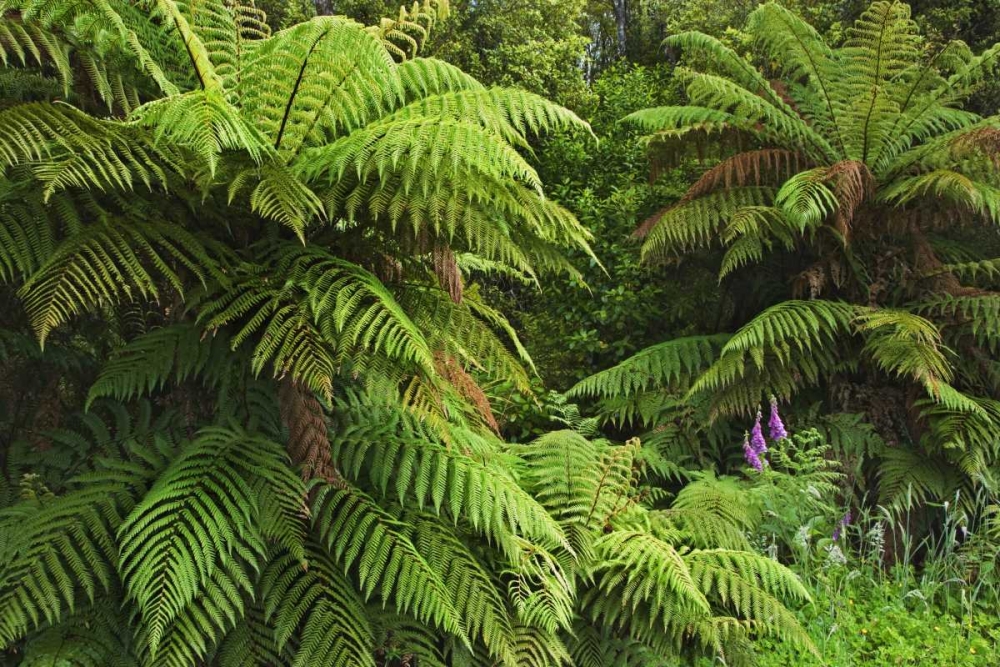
983, 141
810, 284
446, 269
928, 264
646, 226
451, 370
853, 185
748, 168
702, 141
308, 436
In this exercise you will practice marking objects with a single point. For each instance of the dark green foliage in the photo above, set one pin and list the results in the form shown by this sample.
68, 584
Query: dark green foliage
829, 197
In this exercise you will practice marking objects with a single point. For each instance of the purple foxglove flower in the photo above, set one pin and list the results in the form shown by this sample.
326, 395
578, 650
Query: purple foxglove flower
757, 437
751, 456
775, 426
843, 523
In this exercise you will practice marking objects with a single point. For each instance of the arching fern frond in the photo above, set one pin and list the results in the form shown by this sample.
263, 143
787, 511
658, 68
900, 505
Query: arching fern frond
60, 551
362, 535
171, 354
751, 585
202, 515
320, 605
111, 262
401, 457
667, 365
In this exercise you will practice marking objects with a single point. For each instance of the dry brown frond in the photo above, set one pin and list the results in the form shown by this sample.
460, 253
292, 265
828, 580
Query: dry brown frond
984, 140
853, 185
451, 370
446, 269
308, 436
748, 168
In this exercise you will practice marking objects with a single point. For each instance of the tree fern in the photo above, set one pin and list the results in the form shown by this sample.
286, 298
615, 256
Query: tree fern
284, 231
168, 554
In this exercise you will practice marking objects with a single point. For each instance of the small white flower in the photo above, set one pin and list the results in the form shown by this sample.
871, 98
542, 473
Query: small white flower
802, 537
876, 538
834, 556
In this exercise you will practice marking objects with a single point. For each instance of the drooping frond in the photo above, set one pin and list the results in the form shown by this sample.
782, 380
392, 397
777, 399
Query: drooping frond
582, 483
907, 345
715, 513
750, 584
200, 516
406, 460
327, 310
320, 605
111, 262
473, 590
784, 347
635, 568
61, 551
171, 354
65, 147
361, 534
697, 223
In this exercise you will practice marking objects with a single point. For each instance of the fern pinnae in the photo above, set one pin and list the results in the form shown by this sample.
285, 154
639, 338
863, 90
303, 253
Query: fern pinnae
358, 532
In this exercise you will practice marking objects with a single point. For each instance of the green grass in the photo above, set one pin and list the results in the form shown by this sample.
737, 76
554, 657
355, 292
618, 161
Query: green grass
867, 622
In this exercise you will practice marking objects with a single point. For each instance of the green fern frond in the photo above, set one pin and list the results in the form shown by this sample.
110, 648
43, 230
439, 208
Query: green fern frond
171, 354
63, 550
751, 584
319, 604
635, 567
907, 476
698, 222
582, 483
401, 457
110, 263
316, 81
424, 77
361, 534
715, 512
472, 587
907, 345
67, 148
90, 638
670, 364
200, 516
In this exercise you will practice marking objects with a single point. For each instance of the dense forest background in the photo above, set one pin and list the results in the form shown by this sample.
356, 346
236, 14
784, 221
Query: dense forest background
604, 61
521, 332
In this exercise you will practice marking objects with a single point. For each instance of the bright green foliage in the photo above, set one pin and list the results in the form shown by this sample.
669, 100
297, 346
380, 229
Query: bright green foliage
847, 177
309, 128
261, 428
210, 541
